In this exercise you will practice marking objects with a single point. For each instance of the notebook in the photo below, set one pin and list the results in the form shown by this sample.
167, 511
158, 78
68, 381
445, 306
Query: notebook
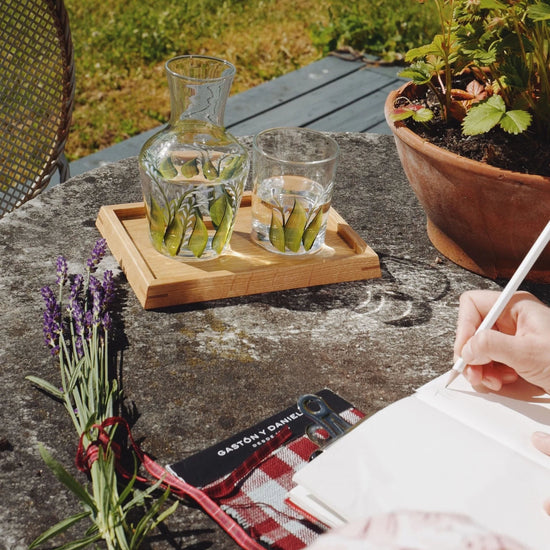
441, 449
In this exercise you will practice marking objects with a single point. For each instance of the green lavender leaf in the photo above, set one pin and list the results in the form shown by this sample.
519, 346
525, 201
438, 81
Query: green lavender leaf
46, 386
67, 479
294, 227
81, 543
58, 528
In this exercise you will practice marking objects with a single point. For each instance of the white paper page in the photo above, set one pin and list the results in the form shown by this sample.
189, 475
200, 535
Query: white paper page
509, 417
409, 456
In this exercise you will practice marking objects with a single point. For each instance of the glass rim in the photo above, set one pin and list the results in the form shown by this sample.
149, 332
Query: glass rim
328, 158
230, 67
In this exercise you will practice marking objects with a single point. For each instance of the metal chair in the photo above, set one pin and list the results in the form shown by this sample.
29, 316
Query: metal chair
36, 97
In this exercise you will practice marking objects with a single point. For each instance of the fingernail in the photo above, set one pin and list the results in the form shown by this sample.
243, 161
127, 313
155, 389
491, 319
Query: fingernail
509, 377
541, 436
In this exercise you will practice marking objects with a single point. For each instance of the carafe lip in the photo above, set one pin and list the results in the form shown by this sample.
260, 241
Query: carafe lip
228, 73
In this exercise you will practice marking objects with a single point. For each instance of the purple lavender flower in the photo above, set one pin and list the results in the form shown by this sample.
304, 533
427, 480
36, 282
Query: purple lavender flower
88, 324
96, 294
76, 287
97, 255
51, 320
108, 289
107, 322
77, 315
62, 270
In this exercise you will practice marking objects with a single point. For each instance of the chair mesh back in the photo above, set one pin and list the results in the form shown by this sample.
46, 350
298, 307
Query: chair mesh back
36, 96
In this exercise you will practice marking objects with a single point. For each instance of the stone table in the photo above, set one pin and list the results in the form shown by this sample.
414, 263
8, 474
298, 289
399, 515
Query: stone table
196, 374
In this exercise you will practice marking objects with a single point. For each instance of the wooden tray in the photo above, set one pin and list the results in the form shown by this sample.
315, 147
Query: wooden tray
159, 281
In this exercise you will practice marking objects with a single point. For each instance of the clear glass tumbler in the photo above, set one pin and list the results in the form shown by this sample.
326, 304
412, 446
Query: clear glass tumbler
293, 180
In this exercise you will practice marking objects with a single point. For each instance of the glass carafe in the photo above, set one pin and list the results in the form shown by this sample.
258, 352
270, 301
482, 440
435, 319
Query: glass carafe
192, 171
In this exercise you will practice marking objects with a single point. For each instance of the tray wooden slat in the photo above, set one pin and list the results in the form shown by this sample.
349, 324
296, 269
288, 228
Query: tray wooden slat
159, 281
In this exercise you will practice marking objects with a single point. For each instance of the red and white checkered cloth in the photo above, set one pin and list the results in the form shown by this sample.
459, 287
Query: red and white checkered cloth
257, 499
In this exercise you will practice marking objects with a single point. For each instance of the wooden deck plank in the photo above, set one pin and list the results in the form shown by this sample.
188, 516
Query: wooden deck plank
319, 103
266, 96
362, 115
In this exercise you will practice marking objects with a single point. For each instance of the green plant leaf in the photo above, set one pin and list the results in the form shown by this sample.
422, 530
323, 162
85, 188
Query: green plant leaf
491, 5
217, 209
539, 12
199, 237
149, 521
208, 169
46, 386
277, 233
174, 234
189, 168
515, 122
483, 117
167, 169
420, 73
222, 233
231, 168
58, 528
312, 230
423, 115
294, 227
81, 543
157, 223
67, 479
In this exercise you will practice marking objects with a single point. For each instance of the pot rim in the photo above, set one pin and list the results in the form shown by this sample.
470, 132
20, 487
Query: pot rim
401, 131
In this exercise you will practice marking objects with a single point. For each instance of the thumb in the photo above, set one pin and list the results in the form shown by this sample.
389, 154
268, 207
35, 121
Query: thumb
541, 441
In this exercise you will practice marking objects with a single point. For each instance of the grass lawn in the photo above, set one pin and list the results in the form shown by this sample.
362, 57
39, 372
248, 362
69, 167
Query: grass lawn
121, 46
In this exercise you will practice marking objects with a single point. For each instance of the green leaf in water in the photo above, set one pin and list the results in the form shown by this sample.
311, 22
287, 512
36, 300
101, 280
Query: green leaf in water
294, 227
190, 168
199, 237
222, 233
208, 169
217, 209
174, 234
277, 232
157, 224
167, 169
312, 230
232, 167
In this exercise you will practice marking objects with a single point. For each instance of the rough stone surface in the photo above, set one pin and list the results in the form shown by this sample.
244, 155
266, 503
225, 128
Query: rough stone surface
196, 374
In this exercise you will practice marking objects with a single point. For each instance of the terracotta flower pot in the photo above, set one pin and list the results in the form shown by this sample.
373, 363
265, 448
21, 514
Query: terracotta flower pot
482, 218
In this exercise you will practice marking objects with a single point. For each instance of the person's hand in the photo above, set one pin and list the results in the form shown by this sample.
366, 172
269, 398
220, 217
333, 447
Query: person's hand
518, 344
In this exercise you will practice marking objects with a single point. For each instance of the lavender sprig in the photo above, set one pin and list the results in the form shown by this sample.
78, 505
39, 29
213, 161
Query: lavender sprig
78, 335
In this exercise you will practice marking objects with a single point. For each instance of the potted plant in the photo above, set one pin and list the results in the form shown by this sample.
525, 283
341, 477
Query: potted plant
472, 130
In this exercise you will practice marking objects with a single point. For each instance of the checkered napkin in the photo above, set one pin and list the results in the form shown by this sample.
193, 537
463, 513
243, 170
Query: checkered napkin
256, 497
